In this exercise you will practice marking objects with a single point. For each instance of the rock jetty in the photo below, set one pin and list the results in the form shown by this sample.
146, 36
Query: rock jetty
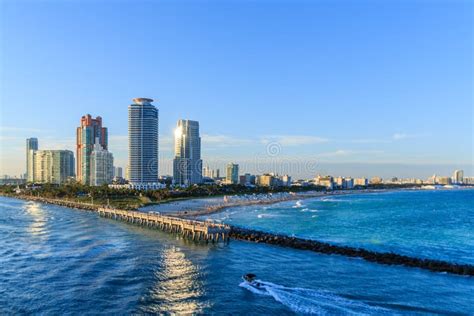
371, 256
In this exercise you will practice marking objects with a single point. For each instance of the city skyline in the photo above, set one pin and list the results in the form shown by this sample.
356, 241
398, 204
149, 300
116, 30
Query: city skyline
358, 110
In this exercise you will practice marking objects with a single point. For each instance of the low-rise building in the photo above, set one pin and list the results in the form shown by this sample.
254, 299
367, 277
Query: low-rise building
443, 180
376, 180
325, 181
348, 183
361, 182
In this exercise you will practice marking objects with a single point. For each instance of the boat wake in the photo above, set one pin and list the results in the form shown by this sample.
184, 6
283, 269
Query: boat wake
308, 301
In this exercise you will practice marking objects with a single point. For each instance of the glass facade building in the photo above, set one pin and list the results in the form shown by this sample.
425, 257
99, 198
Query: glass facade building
187, 164
142, 142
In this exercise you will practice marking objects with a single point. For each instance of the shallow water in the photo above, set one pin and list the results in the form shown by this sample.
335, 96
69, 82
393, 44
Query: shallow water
55, 260
427, 224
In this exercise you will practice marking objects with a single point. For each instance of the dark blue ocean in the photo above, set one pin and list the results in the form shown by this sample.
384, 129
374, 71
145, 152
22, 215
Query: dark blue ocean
55, 260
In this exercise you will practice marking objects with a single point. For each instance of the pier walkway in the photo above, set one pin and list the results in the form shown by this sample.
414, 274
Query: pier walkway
195, 230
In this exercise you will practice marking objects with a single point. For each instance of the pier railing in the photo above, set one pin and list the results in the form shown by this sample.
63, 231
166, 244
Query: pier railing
195, 230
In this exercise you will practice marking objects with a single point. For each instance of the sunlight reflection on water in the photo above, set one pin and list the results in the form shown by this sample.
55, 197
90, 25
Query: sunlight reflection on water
177, 287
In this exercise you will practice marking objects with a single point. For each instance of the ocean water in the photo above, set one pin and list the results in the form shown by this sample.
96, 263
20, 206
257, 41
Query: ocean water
55, 260
427, 224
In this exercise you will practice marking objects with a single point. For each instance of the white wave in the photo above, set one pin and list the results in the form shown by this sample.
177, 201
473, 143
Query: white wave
264, 215
299, 204
309, 210
308, 301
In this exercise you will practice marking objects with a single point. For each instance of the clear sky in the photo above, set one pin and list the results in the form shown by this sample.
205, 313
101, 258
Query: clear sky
341, 87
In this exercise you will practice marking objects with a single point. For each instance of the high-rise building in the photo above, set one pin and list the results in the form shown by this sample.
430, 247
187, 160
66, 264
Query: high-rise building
88, 134
53, 166
142, 142
31, 147
187, 164
118, 172
232, 175
458, 177
102, 166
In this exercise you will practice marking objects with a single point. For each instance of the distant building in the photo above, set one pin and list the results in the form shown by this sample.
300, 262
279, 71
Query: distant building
232, 175
53, 166
458, 177
339, 182
210, 173
325, 181
142, 143
7, 180
139, 186
118, 172
362, 182
272, 180
207, 172
443, 180
376, 180
88, 134
285, 180
247, 179
102, 166
187, 164
348, 183
31, 147
469, 180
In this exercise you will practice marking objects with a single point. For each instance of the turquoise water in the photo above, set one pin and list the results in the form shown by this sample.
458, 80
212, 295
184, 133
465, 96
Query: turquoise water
427, 224
55, 260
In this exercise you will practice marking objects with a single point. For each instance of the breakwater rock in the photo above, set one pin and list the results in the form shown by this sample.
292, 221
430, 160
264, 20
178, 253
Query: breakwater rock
371, 256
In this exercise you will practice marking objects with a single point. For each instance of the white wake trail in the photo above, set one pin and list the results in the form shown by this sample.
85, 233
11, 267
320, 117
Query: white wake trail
308, 301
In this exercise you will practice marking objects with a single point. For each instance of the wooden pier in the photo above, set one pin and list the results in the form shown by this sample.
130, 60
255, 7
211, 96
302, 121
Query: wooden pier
195, 230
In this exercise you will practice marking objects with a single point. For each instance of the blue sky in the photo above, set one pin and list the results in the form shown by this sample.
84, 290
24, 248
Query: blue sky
353, 87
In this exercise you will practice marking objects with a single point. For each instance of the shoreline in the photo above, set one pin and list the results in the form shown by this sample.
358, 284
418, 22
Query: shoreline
215, 209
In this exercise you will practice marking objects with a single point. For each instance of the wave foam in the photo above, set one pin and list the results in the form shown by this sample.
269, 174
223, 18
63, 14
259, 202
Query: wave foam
308, 301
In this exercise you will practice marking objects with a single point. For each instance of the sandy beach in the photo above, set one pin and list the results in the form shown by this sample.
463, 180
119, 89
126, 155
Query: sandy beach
205, 206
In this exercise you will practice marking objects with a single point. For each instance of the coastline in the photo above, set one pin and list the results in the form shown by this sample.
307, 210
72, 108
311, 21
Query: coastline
263, 199
189, 211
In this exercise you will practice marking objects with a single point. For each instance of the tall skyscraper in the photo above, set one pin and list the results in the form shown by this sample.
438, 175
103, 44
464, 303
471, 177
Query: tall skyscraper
232, 175
458, 176
88, 134
53, 166
31, 147
102, 166
187, 164
142, 142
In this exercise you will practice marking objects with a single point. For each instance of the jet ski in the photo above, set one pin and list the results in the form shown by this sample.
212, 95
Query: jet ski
250, 279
